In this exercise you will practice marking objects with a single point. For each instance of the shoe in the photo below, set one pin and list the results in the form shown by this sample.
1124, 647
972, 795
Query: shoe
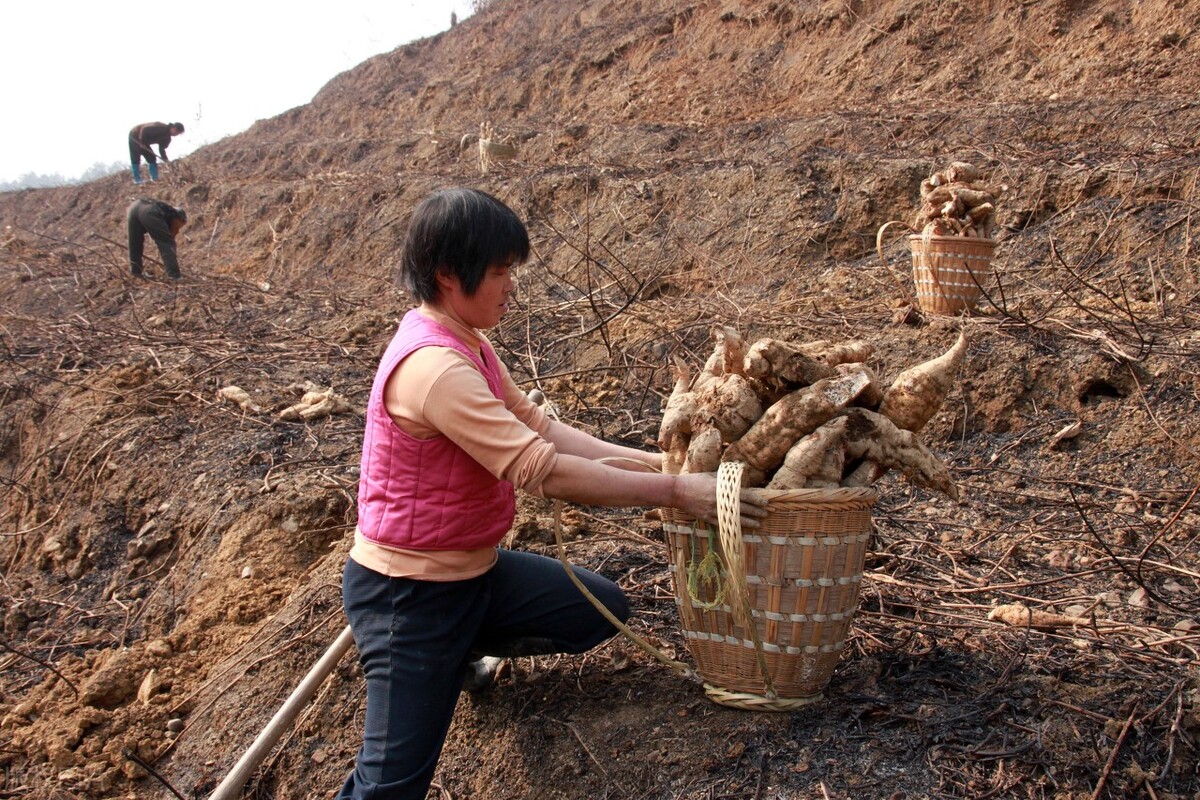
482, 673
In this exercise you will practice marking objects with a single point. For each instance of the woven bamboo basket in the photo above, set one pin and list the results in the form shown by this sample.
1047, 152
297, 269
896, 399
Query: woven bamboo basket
949, 271
797, 577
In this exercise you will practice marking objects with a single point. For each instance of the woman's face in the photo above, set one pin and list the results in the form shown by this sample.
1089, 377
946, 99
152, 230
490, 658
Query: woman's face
483, 309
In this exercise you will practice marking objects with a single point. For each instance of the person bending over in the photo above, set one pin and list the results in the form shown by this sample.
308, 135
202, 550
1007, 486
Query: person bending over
163, 222
141, 139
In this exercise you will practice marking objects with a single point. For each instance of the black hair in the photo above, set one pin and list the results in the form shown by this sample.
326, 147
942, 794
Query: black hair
177, 125
461, 232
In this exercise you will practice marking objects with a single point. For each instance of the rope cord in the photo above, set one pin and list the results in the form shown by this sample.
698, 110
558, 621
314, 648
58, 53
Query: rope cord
678, 666
707, 573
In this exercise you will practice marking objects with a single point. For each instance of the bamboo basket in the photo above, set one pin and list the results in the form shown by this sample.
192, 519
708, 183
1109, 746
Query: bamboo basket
949, 270
797, 577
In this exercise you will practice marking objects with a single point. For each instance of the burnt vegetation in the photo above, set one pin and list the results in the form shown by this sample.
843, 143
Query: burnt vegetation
171, 556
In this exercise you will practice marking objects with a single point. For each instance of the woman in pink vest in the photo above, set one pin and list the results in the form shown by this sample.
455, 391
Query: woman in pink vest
449, 436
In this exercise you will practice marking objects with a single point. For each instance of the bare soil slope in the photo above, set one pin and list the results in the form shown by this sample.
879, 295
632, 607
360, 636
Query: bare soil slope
171, 560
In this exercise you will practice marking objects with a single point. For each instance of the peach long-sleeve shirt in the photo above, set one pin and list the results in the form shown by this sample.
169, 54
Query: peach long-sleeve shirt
437, 391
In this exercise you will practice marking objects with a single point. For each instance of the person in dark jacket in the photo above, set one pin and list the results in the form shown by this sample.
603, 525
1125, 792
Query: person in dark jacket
162, 221
141, 139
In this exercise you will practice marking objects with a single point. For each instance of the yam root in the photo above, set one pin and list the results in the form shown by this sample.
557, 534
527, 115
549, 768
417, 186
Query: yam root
820, 434
680, 408
730, 403
962, 172
239, 396
876, 438
872, 394
796, 415
956, 202
315, 405
829, 474
918, 392
726, 359
936, 197
703, 452
676, 454
835, 353
865, 474
981, 213
777, 362
1019, 615
805, 464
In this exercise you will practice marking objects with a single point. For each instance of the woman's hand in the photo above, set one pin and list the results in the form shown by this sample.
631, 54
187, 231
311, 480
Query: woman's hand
696, 496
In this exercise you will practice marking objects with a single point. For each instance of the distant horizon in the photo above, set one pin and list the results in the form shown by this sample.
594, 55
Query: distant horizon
42, 180
189, 65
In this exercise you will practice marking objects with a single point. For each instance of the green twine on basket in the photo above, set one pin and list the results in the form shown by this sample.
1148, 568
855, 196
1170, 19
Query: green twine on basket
707, 574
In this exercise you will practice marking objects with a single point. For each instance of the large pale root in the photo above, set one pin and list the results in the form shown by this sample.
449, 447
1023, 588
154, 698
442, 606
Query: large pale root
729, 350
872, 394
704, 451
316, 404
1020, 616
807, 458
865, 474
833, 353
829, 474
918, 392
729, 403
876, 438
676, 454
238, 395
796, 415
777, 362
680, 408
963, 171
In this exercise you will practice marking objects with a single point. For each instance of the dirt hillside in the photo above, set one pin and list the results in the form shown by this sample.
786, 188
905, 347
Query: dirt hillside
171, 559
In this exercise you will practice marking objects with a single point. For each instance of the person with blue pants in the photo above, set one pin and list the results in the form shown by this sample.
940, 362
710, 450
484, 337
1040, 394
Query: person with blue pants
142, 138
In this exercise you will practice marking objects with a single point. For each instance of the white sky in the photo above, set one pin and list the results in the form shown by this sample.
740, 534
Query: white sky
78, 74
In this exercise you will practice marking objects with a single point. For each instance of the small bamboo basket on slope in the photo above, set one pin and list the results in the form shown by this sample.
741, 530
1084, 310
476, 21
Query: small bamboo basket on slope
767, 620
948, 271
950, 238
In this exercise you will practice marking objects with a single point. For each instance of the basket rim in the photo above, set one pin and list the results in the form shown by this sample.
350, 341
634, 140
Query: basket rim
936, 237
971, 241
800, 499
841, 493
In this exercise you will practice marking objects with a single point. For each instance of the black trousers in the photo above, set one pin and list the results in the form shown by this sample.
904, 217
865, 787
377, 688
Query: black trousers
147, 217
414, 640
138, 151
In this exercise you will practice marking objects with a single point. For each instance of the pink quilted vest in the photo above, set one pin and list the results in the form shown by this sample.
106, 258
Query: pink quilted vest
428, 494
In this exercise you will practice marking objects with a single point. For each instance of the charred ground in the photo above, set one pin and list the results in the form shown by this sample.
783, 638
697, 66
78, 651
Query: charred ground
169, 556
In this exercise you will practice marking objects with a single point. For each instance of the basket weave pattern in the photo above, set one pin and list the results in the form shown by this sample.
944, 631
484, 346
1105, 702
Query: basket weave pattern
803, 568
949, 271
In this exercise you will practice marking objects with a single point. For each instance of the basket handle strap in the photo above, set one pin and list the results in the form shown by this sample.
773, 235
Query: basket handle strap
904, 293
678, 666
729, 525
